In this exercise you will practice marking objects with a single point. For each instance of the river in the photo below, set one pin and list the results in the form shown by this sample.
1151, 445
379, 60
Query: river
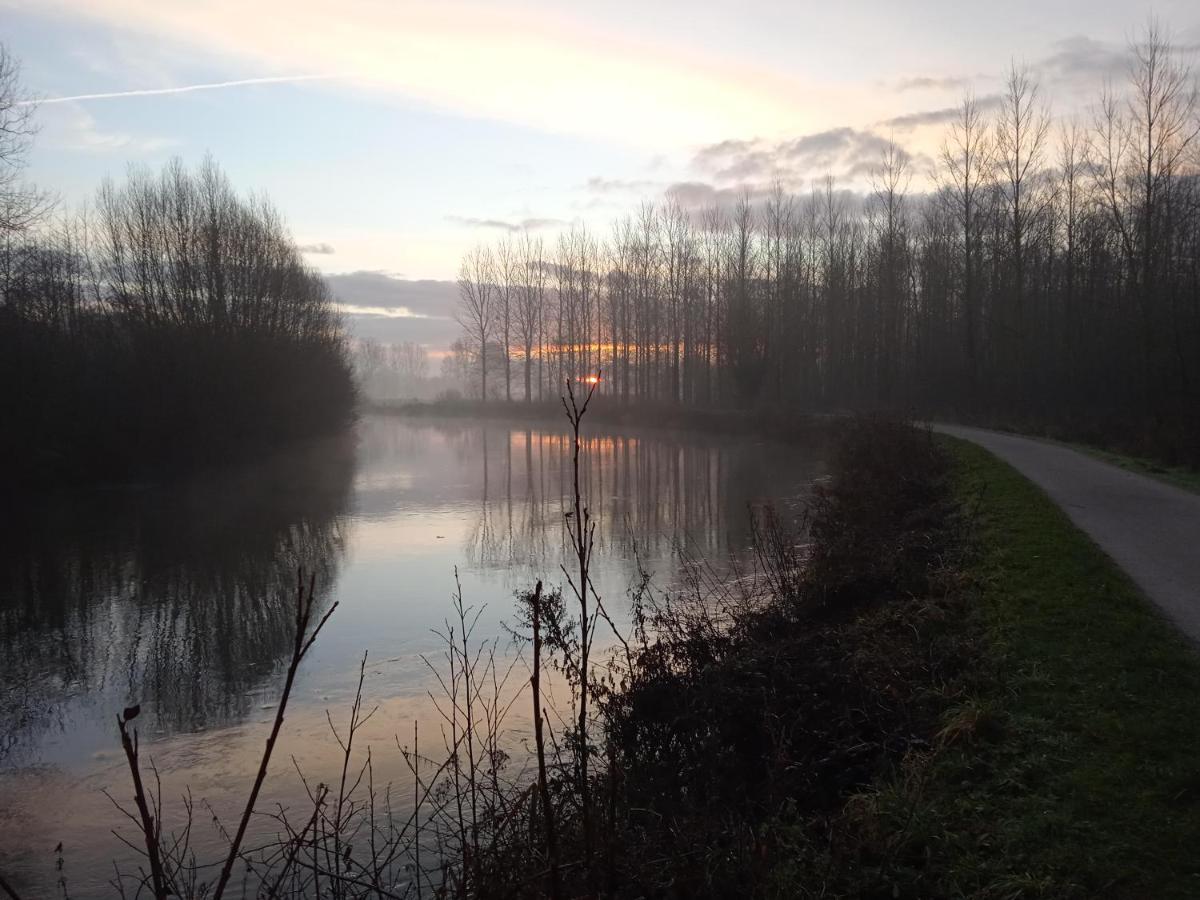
178, 598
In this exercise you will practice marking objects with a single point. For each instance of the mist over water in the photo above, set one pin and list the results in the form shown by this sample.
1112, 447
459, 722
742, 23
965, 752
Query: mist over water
179, 598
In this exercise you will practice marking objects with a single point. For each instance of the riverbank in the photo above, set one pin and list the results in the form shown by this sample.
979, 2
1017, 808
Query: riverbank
962, 696
1079, 777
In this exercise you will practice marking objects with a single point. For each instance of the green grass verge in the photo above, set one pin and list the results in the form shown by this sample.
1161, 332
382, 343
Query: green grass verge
1088, 782
1114, 445
1180, 476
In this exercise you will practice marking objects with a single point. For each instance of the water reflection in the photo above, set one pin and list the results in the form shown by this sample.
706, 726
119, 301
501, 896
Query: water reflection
649, 492
646, 495
177, 598
180, 599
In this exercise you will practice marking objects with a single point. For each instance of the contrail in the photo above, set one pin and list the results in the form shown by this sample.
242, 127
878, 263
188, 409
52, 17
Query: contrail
183, 89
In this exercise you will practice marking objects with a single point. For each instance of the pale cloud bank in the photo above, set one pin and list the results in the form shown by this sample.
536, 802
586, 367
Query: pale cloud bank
527, 224
387, 312
383, 307
512, 65
74, 128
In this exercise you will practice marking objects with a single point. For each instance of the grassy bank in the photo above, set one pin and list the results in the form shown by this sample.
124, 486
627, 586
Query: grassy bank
955, 694
1179, 476
1070, 767
1167, 449
962, 697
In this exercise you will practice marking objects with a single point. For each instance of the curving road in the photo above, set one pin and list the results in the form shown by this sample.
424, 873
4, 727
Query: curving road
1151, 529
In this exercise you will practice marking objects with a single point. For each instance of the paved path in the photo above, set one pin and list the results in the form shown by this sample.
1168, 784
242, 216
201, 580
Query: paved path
1151, 529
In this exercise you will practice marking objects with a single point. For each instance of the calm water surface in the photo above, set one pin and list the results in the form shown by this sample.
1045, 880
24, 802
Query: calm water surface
180, 599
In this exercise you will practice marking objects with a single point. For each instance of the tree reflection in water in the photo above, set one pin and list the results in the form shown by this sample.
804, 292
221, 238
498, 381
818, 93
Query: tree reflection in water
176, 597
179, 598
651, 494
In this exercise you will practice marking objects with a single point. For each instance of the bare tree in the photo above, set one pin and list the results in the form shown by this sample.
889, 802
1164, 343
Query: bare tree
966, 157
1056, 283
530, 300
678, 262
714, 252
889, 184
410, 360
1141, 148
1072, 199
477, 305
182, 249
1021, 132
508, 266
743, 338
20, 204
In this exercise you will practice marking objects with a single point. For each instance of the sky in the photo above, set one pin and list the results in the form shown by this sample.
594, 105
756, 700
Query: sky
394, 135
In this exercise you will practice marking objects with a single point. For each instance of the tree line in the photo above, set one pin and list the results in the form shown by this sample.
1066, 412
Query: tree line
175, 323
1050, 273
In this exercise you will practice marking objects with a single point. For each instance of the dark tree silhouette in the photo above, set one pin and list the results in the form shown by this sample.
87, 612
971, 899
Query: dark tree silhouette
1050, 277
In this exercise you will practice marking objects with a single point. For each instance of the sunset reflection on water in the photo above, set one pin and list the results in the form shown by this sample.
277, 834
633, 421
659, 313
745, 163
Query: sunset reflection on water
179, 599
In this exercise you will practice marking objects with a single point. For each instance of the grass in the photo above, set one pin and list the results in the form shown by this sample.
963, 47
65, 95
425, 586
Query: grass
1143, 451
1086, 781
1179, 476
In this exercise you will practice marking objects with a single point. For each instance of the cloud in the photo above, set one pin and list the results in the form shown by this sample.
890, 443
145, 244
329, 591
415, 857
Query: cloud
79, 130
694, 195
436, 334
320, 248
1083, 58
707, 157
600, 185
940, 116
181, 89
529, 224
826, 144
1080, 64
382, 290
488, 61
699, 196
380, 306
843, 152
930, 82
387, 312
